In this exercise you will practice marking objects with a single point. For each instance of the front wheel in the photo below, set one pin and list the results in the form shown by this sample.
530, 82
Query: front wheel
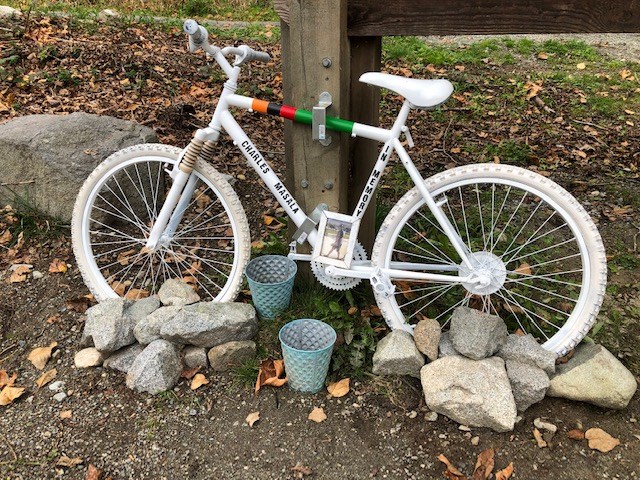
116, 209
537, 250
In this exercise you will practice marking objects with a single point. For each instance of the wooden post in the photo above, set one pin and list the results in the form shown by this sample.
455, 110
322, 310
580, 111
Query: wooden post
316, 60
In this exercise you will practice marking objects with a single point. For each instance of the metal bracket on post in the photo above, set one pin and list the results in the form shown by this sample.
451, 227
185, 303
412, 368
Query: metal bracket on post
309, 223
319, 119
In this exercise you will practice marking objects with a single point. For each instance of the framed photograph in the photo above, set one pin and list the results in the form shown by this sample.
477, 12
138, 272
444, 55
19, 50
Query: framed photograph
337, 236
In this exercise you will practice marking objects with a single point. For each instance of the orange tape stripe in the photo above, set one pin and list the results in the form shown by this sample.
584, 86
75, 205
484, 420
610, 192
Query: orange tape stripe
259, 106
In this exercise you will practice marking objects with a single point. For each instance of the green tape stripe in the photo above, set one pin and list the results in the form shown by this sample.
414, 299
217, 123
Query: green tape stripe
333, 123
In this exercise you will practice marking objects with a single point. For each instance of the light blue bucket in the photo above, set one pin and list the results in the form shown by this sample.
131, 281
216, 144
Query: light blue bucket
270, 280
306, 347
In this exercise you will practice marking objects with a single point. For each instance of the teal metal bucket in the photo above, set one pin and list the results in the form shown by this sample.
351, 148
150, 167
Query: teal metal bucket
307, 345
270, 280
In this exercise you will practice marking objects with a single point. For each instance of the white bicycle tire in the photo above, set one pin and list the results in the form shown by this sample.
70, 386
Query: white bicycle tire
588, 240
160, 154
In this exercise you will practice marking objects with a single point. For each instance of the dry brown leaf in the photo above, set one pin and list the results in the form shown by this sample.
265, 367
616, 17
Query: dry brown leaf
268, 220
505, 474
198, 381
9, 394
301, 471
352, 310
57, 266
600, 440
484, 465
189, 373
451, 472
6, 237
40, 356
581, 66
538, 436
65, 461
136, 294
317, 415
339, 389
65, 414
524, 269
17, 277
6, 380
575, 434
80, 304
270, 373
543, 56
93, 473
46, 377
252, 418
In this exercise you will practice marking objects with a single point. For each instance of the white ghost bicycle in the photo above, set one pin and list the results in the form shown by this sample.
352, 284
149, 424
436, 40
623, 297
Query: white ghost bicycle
495, 237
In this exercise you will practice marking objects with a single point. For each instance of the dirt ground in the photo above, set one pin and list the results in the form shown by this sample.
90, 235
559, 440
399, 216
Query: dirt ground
378, 430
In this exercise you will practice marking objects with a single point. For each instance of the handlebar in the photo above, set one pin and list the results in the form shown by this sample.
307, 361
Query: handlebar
198, 37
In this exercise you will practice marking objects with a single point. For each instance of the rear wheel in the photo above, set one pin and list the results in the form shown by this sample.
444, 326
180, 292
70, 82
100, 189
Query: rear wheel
116, 209
537, 251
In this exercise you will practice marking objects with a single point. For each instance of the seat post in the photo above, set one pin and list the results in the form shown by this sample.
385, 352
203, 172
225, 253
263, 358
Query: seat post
401, 119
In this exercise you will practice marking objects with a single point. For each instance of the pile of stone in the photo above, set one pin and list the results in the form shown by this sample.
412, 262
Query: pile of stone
481, 376
154, 339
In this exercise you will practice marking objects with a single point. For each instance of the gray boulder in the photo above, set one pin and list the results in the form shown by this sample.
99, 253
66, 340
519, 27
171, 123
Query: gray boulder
427, 334
208, 324
108, 325
528, 383
156, 369
148, 329
123, 358
195, 356
471, 392
594, 375
526, 349
57, 153
176, 292
9, 12
476, 334
143, 307
397, 354
231, 354
445, 348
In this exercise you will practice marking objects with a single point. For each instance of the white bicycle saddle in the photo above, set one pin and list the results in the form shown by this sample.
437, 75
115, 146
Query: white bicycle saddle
420, 93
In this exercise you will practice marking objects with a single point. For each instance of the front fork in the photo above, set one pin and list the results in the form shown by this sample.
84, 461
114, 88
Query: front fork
180, 193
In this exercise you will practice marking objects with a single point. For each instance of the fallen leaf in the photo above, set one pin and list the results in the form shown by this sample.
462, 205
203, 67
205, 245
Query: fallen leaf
459, 68
6, 380
524, 269
543, 56
270, 373
57, 266
93, 473
46, 377
252, 418
6, 237
301, 471
65, 414
136, 294
198, 381
451, 472
17, 277
581, 66
268, 220
188, 373
505, 474
40, 356
317, 415
65, 461
601, 440
484, 465
339, 389
9, 394
538, 436
352, 310
258, 244
575, 434
80, 304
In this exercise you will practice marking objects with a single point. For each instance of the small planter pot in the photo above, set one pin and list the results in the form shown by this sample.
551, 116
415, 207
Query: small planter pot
270, 280
307, 345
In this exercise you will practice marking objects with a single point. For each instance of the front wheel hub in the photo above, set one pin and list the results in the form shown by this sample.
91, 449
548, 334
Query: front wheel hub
488, 269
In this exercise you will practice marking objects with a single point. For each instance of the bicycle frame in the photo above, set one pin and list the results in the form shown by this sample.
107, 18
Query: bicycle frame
223, 119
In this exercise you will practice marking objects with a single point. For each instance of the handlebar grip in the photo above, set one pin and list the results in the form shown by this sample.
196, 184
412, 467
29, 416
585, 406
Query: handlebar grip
260, 56
197, 33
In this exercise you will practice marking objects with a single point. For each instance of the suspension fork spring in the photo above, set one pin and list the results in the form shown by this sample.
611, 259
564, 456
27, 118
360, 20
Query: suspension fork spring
208, 150
191, 155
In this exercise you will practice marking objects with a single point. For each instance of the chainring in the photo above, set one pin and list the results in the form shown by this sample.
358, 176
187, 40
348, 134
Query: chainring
339, 283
